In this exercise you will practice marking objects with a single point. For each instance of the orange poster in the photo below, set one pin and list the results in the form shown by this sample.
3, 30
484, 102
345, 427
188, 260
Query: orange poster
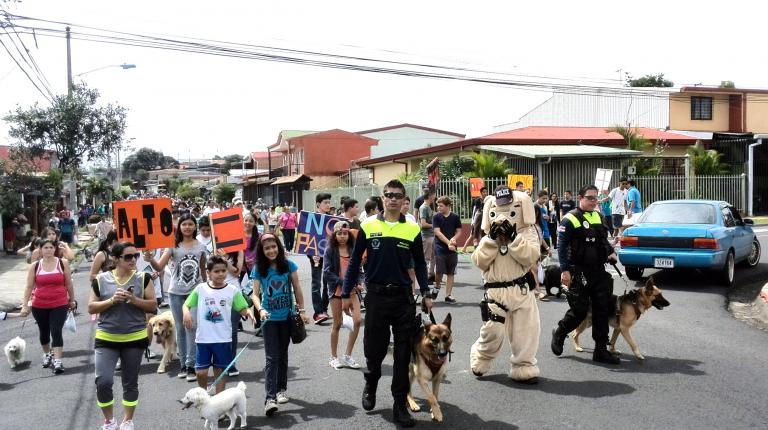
475, 184
228, 230
148, 224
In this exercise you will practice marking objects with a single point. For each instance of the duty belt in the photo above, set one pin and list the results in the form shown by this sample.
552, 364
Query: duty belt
387, 290
521, 282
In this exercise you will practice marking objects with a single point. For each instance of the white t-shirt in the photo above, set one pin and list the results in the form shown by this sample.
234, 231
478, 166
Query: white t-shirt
207, 241
143, 265
618, 196
410, 217
213, 308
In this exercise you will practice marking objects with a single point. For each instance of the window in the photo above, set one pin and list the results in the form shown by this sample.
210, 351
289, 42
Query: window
728, 219
679, 213
701, 108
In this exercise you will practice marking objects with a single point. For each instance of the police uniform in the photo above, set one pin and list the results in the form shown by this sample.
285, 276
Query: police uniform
388, 301
583, 250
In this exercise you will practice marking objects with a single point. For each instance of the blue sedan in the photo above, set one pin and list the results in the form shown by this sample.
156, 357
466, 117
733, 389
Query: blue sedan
700, 234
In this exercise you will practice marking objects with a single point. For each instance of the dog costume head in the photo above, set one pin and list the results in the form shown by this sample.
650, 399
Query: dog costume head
507, 205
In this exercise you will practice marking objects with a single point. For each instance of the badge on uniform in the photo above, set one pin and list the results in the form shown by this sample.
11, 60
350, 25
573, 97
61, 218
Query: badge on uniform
586, 224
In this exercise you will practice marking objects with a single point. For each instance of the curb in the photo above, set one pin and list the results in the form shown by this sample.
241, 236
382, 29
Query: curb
753, 312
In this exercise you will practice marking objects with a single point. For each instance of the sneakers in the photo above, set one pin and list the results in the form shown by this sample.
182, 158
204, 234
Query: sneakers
350, 362
182, 372
163, 304
126, 425
321, 318
270, 407
282, 397
335, 363
233, 372
58, 366
149, 354
109, 425
450, 299
47, 360
191, 375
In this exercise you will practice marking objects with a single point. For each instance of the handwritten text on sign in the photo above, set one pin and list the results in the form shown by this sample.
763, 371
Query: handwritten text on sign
146, 223
313, 232
227, 228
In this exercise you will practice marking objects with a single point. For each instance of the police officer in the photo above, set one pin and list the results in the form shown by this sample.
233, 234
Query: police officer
583, 249
391, 243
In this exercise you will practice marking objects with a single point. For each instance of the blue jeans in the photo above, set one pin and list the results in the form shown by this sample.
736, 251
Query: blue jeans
277, 336
185, 339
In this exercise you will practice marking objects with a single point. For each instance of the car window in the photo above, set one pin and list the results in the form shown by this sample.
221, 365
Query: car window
728, 219
679, 213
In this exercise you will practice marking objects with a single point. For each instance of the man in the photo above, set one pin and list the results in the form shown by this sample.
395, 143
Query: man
477, 219
427, 233
618, 197
67, 227
406, 210
419, 201
209, 209
520, 186
634, 202
446, 226
567, 204
542, 215
350, 212
604, 199
238, 202
583, 249
319, 291
390, 242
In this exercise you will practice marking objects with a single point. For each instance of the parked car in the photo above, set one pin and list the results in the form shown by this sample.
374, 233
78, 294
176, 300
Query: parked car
700, 234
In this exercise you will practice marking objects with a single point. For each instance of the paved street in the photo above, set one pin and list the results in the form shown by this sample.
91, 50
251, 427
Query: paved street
703, 369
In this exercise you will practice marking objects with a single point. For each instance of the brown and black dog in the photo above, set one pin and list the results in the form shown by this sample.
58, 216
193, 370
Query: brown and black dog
165, 334
430, 362
630, 307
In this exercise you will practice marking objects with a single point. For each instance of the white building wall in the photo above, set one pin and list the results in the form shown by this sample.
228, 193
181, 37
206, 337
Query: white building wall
404, 139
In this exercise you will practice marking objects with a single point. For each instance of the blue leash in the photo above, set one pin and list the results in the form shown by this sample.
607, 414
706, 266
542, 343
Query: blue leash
226, 369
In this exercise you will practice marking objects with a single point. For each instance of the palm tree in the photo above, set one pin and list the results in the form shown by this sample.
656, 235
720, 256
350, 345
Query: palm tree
488, 165
636, 142
96, 187
707, 161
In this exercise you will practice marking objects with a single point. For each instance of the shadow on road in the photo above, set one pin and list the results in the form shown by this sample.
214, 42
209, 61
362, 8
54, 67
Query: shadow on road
306, 412
656, 365
453, 418
590, 389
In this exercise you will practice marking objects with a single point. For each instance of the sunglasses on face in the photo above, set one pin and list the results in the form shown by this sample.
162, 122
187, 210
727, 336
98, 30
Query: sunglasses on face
394, 196
129, 257
591, 198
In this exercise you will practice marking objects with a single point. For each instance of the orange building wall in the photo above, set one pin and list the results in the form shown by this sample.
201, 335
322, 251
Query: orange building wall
330, 152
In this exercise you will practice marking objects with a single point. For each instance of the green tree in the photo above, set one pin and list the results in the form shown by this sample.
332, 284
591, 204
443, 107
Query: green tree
488, 165
233, 161
187, 191
124, 191
224, 192
141, 175
707, 161
147, 159
636, 142
649, 81
97, 188
727, 84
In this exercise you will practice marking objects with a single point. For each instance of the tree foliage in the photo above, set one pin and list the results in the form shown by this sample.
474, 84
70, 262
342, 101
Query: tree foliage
147, 159
187, 191
74, 127
97, 188
649, 81
727, 84
488, 165
233, 161
707, 161
636, 142
449, 170
224, 192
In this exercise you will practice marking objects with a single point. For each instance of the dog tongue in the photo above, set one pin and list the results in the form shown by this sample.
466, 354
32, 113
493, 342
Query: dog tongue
158, 339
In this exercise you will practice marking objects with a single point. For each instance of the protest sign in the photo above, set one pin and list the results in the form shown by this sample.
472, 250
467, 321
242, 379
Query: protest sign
148, 224
603, 179
227, 230
475, 184
312, 232
527, 181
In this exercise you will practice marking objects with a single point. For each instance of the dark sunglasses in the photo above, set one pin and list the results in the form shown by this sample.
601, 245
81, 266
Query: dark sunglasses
129, 257
591, 198
394, 196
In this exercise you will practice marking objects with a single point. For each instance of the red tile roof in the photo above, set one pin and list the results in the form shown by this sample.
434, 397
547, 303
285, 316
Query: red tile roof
42, 164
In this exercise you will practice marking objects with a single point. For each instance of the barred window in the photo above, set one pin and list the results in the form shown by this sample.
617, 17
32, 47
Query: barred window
701, 108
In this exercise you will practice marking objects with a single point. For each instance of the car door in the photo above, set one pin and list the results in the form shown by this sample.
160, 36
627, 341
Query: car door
734, 235
743, 235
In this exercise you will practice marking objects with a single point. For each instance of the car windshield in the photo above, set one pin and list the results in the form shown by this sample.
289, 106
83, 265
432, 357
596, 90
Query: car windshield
679, 213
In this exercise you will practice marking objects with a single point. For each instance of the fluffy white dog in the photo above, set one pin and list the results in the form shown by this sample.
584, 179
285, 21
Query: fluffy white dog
230, 402
14, 351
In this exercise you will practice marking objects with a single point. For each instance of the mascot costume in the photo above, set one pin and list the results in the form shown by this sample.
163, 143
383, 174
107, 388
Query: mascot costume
505, 255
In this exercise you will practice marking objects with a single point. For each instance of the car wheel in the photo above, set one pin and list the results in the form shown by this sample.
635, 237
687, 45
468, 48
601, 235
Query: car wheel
726, 273
634, 273
754, 255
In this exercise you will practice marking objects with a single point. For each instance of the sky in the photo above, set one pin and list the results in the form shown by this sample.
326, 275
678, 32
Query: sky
194, 106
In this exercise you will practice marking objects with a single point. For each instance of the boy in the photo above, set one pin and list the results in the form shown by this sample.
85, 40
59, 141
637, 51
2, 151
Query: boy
214, 300
447, 227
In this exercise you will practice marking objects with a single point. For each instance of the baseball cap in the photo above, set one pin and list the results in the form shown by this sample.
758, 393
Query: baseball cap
503, 195
339, 226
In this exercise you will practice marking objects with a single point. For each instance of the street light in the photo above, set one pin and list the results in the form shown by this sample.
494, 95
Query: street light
124, 66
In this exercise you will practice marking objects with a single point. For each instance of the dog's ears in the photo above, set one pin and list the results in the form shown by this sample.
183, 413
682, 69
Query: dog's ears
649, 284
447, 320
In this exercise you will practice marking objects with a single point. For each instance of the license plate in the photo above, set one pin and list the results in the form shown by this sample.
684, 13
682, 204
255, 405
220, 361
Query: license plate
664, 263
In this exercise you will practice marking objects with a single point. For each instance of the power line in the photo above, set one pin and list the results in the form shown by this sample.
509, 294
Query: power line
47, 97
32, 66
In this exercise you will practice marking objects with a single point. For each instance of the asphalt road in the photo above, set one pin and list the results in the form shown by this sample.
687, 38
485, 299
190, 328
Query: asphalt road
703, 369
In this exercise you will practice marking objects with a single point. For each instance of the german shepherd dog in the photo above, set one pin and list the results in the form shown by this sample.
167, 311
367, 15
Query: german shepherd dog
429, 363
630, 307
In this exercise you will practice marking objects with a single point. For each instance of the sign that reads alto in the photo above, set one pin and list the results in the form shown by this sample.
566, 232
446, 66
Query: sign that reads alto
148, 224
313, 231
227, 230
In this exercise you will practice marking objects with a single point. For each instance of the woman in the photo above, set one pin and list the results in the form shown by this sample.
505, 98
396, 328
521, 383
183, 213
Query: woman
272, 219
275, 286
51, 279
62, 249
34, 242
554, 217
251, 232
288, 227
335, 262
102, 261
188, 270
121, 298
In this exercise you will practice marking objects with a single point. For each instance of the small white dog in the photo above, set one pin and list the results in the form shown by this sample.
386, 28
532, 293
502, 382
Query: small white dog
14, 351
230, 402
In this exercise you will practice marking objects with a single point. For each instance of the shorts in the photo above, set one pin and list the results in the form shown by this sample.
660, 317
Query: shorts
617, 219
218, 355
445, 264
335, 293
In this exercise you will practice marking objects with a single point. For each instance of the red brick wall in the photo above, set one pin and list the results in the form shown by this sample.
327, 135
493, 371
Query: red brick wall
330, 152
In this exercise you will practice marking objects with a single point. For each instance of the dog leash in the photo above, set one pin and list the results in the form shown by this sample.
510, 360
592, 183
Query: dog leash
23, 323
626, 283
226, 369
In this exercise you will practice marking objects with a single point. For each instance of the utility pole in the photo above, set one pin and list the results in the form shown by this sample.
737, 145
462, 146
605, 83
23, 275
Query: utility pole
70, 85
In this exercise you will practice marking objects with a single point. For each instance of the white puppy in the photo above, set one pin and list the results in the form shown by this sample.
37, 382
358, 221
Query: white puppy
14, 351
230, 402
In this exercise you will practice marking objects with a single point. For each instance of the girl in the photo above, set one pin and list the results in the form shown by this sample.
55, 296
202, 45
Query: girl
103, 261
122, 298
204, 235
251, 240
335, 263
51, 279
62, 249
275, 285
272, 218
188, 270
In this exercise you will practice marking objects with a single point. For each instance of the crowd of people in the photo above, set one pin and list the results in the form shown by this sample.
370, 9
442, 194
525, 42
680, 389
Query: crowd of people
378, 262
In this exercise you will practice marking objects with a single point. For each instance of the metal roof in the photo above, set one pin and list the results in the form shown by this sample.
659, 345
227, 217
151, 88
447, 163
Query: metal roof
560, 151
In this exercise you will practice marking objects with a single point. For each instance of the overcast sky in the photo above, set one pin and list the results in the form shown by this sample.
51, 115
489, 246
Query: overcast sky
192, 105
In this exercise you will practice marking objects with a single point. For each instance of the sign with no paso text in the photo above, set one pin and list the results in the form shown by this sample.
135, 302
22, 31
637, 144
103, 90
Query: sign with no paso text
313, 231
227, 230
148, 224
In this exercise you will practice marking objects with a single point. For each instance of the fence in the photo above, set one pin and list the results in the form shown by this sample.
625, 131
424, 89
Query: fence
729, 188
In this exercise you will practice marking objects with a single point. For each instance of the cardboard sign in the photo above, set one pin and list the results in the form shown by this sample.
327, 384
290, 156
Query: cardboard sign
148, 224
527, 181
227, 230
603, 179
475, 184
312, 232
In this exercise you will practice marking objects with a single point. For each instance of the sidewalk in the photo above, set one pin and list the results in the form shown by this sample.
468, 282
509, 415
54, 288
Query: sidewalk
13, 277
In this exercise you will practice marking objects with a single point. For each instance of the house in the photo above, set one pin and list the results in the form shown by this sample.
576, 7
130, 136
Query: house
407, 137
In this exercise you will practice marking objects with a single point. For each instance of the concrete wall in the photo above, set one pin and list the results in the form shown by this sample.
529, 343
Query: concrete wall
405, 139
386, 172
757, 113
680, 113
